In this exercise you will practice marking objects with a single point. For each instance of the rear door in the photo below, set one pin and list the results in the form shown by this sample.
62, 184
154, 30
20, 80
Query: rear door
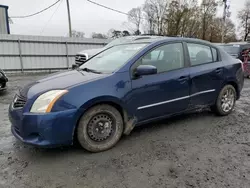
166, 92
206, 74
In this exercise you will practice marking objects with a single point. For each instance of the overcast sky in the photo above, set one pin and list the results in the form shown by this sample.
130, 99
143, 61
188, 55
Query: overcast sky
85, 16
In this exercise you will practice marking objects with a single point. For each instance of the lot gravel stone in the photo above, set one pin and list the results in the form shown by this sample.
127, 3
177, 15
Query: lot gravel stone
189, 151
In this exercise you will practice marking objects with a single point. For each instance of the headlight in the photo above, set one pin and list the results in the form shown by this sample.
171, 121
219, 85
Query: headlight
45, 102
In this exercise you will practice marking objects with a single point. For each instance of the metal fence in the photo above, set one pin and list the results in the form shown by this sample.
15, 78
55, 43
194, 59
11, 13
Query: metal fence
21, 53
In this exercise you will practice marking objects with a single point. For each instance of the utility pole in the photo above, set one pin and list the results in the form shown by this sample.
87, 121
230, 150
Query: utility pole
69, 19
224, 20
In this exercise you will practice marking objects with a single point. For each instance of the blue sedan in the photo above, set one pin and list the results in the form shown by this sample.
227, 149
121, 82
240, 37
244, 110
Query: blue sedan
125, 86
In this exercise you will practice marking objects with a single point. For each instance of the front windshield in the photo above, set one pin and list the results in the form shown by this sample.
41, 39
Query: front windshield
116, 42
231, 49
112, 58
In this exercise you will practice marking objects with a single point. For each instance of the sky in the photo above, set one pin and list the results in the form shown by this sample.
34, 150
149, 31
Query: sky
85, 16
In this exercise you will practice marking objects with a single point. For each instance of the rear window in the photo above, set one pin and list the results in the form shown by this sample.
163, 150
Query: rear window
231, 49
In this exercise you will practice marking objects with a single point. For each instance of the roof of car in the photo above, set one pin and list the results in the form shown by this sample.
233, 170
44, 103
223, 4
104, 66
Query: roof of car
156, 39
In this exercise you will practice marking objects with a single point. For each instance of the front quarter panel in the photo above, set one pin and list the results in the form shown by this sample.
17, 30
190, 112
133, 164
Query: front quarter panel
113, 88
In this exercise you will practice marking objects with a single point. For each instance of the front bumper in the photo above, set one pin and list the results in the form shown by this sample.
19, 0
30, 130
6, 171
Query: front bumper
44, 130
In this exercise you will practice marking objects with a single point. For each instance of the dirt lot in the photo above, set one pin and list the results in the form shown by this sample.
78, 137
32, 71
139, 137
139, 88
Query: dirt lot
195, 150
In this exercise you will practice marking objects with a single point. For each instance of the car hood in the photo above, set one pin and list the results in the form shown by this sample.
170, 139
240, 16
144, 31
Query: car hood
61, 80
91, 52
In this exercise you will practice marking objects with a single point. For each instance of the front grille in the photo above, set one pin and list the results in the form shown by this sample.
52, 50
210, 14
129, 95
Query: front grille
19, 101
81, 58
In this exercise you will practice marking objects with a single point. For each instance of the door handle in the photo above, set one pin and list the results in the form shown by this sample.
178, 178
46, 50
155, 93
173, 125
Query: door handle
218, 70
183, 78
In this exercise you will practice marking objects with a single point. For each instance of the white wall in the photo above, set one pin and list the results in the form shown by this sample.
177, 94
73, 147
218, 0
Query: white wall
27, 53
3, 24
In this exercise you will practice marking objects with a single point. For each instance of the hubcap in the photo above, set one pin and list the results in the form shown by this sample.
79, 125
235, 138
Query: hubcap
100, 127
227, 100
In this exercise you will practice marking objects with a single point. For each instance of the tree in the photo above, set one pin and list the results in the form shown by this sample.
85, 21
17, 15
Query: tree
77, 34
176, 16
125, 33
99, 36
244, 16
186, 18
215, 30
117, 34
230, 31
137, 32
156, 11
149, 16
208, 11
135, 17
190, 18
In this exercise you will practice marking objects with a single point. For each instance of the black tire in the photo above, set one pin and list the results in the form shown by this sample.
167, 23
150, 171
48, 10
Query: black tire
85, 129
218, 107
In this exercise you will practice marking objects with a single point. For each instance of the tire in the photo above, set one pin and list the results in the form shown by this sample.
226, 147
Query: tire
227, 108
99, 119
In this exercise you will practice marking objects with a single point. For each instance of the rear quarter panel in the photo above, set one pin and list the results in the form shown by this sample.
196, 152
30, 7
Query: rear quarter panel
233, 71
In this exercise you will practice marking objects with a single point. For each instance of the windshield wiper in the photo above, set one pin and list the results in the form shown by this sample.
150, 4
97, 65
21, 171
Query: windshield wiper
91, 70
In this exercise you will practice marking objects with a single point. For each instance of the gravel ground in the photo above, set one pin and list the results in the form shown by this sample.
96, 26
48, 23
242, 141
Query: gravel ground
194, 150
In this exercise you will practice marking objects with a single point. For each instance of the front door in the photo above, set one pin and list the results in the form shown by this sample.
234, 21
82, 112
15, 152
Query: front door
166, 92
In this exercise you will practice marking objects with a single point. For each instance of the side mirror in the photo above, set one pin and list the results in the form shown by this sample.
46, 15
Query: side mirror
74, 66
143, 70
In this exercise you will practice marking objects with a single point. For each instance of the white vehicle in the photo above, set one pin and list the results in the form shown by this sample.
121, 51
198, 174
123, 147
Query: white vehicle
84, 55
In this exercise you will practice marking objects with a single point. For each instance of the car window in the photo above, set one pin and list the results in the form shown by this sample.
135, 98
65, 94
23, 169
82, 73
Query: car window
164, 58
116, 42
231, 49
199, 54
113, 58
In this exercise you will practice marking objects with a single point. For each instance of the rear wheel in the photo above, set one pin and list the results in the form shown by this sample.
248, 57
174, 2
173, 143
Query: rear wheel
100, 128
226, 101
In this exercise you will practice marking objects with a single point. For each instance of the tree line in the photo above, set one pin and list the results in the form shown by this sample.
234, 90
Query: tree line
185, 18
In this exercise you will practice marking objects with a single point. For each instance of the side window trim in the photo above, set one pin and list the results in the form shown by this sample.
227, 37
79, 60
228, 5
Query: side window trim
211, 50
158, 46
215, 59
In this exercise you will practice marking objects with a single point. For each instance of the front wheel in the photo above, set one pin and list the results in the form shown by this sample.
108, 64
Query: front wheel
100, 128
226, 101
